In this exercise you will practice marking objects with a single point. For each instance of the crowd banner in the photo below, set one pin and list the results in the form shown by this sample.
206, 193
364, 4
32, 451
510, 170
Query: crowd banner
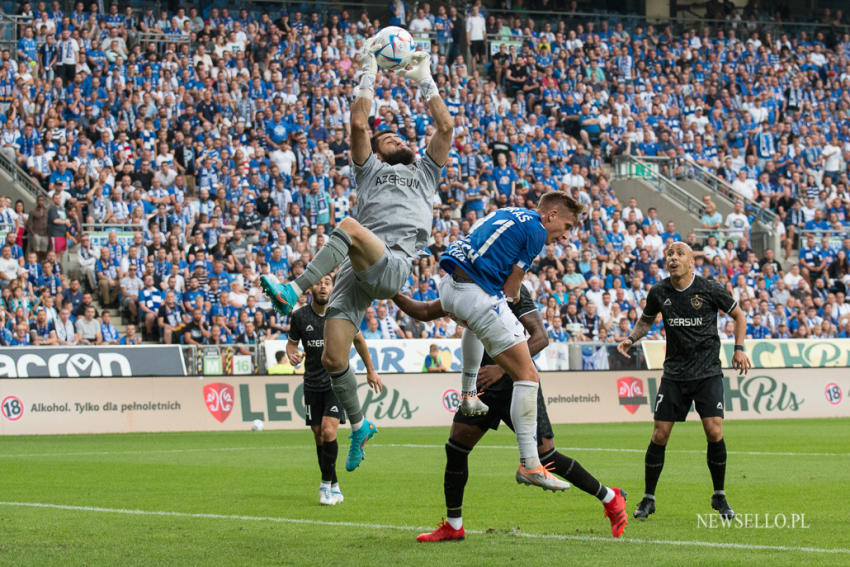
114, 405
73, 362
408, 356
771, 353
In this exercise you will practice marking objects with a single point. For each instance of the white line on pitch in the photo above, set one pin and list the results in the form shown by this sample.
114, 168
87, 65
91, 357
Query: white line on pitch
402, 445
159, 513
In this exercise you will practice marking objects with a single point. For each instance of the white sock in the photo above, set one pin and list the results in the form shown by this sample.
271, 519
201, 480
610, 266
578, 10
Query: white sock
524, 418
296, 288
325, 484
358, 425
335, 487
608, 497
455, 523
473, 352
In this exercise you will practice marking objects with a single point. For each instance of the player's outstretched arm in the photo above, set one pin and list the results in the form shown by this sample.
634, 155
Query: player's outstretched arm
740, 360
419, 310
642, 327
372, 377
419, 71
362, 105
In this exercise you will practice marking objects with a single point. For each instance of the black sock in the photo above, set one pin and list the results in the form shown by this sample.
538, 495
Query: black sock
716, 457
457, 472
321, 455
330, 450
572, 471
653, 464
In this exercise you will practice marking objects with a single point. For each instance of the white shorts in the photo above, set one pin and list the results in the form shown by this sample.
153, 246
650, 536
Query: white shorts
488, 316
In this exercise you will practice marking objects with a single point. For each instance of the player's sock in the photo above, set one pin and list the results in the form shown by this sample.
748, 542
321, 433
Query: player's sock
524, 418
572, 471
454, 481
472, 351
321, 455
716, 457
330, 450
653, 463
326, 259
344, 385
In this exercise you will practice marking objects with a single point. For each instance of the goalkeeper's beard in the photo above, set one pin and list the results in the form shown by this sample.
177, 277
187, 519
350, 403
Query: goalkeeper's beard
404, 156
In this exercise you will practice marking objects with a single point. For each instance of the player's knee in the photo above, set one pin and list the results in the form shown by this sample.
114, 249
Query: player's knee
328, 433
350, 226
660, 435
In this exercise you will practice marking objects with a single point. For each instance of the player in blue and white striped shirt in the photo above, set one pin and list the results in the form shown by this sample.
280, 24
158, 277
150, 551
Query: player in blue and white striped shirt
485, 268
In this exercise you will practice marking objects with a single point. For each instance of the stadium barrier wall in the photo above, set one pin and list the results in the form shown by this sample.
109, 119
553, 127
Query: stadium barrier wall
408, 356
62, 361
771, 353
122, 405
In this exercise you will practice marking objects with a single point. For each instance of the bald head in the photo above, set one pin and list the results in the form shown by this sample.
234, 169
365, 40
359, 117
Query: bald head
679, 260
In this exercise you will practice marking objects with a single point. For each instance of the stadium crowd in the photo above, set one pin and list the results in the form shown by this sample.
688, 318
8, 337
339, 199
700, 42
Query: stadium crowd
220, 142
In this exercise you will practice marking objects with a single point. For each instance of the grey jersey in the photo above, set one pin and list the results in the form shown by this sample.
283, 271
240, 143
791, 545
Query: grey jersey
396, 201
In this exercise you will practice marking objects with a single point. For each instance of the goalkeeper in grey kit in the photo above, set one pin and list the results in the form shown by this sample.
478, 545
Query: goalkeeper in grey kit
374, 251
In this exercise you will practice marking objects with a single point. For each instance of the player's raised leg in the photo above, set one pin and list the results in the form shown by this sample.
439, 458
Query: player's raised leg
516, 361
613, 499
349, 240
472, 350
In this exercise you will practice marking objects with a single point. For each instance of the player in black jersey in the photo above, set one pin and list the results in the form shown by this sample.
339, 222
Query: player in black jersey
495, 390
689, 304
324, 412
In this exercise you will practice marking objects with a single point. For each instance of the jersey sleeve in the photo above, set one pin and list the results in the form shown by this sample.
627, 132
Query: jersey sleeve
653, 304
295, 328
430, 171
365, 174
721, 298
525, 305
535, 239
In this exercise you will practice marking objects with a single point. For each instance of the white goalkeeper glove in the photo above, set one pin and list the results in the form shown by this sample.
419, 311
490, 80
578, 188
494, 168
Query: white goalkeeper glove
368, 63
419, 70
368, 69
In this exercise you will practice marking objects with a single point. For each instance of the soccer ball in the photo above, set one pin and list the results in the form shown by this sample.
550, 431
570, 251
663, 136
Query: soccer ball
257, 425
393, 48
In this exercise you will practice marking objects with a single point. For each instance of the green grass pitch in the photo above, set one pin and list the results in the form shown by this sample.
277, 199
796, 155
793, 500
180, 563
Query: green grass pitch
251, 498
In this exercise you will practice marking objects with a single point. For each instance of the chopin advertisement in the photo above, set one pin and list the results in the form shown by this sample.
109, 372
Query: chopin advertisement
107, 405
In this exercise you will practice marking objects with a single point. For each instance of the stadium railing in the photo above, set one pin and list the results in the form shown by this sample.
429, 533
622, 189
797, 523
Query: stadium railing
9, 34
759, 238
721, 187
679, 23
633, 167
100, 227
225, 360
20, 176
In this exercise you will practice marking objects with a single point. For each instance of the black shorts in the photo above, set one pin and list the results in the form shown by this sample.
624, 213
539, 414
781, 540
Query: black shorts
321, 404
674, 398
477, 48
499, 402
